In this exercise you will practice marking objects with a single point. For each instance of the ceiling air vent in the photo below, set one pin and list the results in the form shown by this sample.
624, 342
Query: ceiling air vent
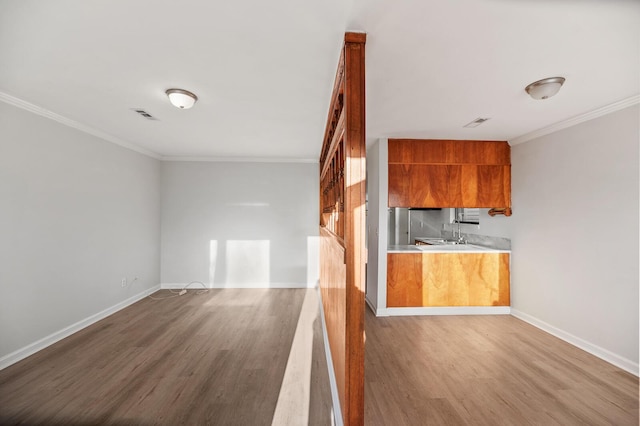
144, 113
476, 122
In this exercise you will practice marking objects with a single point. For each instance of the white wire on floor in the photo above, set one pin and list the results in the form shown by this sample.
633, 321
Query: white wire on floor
183, 290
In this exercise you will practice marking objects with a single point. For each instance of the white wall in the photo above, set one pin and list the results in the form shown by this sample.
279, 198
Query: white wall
373, 201
241, 224
377, 221
574, 234
77, 214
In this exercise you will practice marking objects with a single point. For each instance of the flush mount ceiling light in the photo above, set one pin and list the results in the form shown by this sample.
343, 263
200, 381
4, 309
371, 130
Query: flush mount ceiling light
180, 98
545, 88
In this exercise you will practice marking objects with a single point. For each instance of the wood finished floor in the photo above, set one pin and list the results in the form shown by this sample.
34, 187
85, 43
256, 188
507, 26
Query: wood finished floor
219, 358
487, 370
216, 358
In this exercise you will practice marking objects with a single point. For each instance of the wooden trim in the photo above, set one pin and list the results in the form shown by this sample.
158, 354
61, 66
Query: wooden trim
444, 151
333, 237
342, 227
337, 137
337, 91
440, 164
355, 220
332, 288
360, 38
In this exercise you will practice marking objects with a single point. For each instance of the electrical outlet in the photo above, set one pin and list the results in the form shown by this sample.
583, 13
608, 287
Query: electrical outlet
123, 283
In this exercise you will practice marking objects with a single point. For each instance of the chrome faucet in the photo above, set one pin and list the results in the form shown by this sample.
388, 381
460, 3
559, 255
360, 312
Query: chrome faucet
460, 240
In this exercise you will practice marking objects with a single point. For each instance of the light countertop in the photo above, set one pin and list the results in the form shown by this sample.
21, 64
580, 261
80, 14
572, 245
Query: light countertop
444, 248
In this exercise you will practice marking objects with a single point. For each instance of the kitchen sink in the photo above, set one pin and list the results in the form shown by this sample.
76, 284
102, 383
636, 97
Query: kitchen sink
450, 247
438, 242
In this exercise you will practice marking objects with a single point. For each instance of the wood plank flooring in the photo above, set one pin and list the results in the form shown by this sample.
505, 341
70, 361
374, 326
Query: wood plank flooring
216, 358
487, 370
219, 358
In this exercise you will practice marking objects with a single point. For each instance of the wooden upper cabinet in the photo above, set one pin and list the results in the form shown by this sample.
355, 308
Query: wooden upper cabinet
437, 151
446, 173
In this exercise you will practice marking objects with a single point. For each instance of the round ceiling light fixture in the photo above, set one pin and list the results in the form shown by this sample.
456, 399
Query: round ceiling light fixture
181, 98
545, 88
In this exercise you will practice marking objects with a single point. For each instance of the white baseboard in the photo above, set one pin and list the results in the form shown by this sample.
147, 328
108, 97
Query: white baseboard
173, 286
604, 354
180, 286
445, 310
379, 312
49, 340
333, 384
371, 306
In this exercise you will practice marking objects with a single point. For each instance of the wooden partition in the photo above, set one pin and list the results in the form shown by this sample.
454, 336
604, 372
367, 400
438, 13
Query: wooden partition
342, 227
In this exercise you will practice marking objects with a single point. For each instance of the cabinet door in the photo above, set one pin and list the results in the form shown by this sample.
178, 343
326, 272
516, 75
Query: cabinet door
465, 279
447, 279
404, 279
434, 173
399, 185
435, 185
421, 185
478, 186
468, 185
494, 186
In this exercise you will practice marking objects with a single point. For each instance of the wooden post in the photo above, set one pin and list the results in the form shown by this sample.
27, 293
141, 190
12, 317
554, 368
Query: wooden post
342, 248
355, 222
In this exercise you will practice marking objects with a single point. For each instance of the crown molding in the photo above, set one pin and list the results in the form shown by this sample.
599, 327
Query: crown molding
608, 109
240, 159
27, 106
43, 112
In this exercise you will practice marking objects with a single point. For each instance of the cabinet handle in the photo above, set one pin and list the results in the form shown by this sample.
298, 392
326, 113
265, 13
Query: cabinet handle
505, 211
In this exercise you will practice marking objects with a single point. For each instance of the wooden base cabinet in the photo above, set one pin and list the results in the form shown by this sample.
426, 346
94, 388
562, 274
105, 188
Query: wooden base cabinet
447, 279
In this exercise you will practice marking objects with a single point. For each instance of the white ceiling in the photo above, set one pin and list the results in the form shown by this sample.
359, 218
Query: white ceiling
263, 71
